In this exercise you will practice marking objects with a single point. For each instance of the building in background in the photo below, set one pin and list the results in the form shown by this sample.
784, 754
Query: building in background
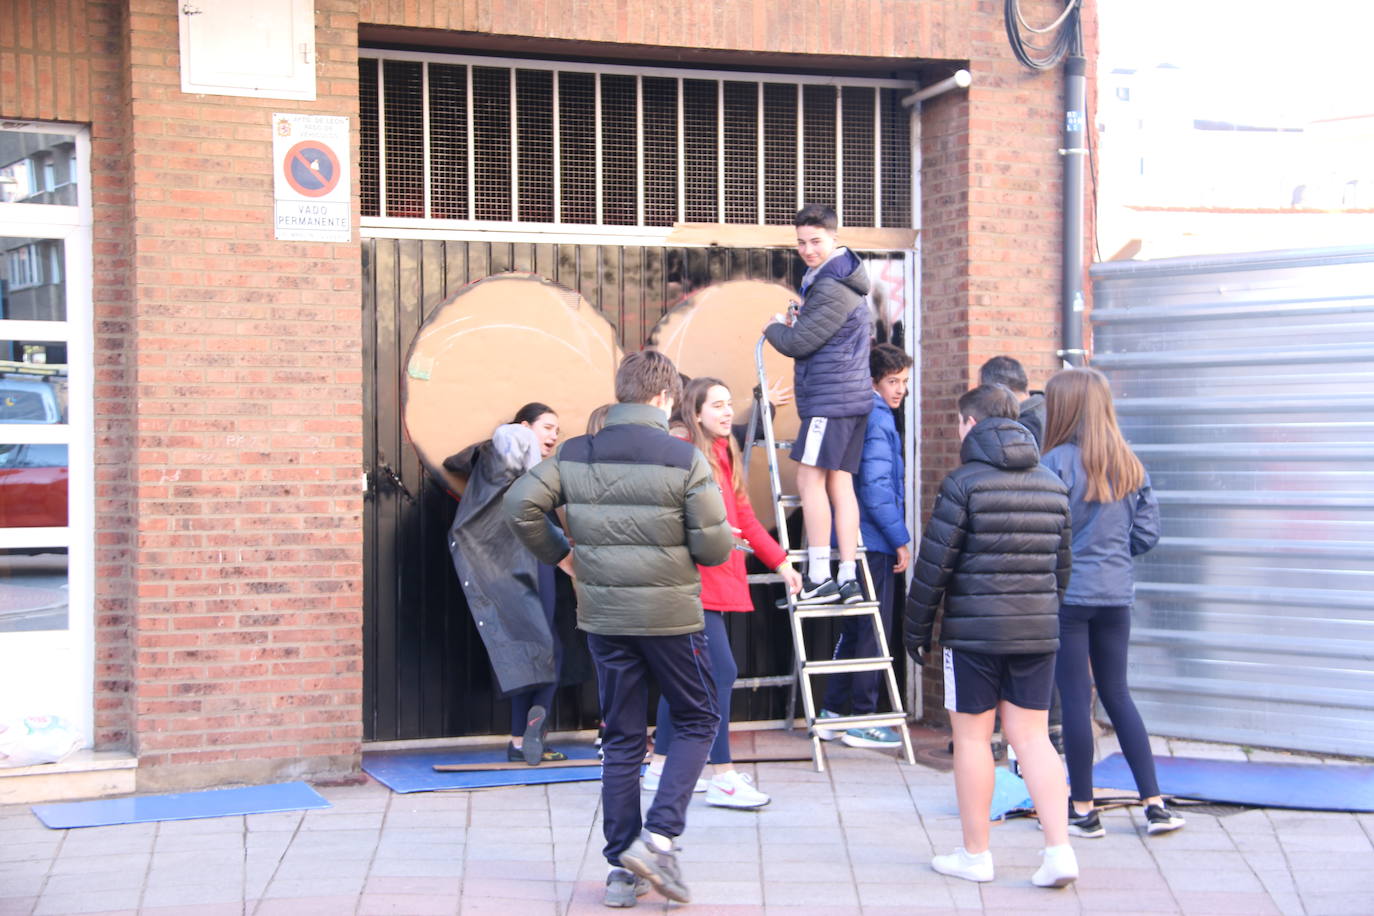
249, 574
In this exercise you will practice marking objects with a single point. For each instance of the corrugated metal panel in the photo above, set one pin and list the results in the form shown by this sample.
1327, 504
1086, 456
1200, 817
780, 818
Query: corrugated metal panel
1246, 385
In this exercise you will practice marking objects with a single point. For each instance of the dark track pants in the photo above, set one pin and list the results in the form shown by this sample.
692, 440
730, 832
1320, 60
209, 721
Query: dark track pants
724, 670
1092, 649
681, 668
857, 693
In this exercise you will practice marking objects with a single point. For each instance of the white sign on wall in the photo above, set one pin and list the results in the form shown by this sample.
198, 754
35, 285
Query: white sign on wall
310, 180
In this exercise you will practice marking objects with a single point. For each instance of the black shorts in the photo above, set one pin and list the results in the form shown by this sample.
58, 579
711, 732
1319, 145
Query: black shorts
833, 443
975, 682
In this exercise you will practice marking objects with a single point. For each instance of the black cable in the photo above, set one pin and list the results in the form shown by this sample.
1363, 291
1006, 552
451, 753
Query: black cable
1064, 30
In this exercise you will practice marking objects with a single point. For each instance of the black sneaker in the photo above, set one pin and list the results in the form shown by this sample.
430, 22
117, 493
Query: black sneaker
1159, 819
547, 755
623, 888
815, 593
1085, 825
851, 592
536, 723
659, 867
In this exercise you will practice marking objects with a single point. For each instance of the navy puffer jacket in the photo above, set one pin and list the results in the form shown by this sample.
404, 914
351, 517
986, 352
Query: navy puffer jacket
829, 341
997, 549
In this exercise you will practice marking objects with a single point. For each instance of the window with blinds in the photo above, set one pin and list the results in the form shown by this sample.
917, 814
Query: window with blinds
478, 140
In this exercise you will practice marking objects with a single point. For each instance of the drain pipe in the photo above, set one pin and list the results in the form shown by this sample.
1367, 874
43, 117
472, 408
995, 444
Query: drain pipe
1074, 152
911, 319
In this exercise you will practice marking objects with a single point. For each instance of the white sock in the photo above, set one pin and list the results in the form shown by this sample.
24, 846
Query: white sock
818, 563
847, 570
664, 843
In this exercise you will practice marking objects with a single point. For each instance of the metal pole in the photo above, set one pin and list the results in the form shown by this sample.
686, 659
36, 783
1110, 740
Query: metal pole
1074, 152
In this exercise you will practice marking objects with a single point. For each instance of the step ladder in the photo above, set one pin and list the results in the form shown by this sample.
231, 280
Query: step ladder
761, 420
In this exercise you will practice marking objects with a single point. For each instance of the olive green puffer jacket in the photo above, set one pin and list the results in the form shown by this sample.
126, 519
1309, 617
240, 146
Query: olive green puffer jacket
642, 510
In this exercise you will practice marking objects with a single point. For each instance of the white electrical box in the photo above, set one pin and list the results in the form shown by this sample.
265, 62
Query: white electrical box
259, 48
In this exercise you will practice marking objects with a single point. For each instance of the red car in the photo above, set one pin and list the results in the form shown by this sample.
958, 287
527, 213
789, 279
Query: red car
33, 486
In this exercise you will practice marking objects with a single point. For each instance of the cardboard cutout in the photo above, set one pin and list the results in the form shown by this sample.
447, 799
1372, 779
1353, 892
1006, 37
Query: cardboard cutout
714, 333
496, 345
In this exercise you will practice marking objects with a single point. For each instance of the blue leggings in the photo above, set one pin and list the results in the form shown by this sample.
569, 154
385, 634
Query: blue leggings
724, 669
521, 703
1092, 648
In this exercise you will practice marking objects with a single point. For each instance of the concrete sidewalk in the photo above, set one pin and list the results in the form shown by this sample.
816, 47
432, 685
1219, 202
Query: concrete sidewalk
854, 840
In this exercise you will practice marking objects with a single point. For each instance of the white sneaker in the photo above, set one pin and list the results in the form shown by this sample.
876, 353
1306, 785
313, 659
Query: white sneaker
1060, 868
960, 864
651, 782
826, 734
735, 790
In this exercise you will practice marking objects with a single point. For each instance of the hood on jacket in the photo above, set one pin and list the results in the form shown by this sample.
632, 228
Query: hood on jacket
844, 266
1002, 443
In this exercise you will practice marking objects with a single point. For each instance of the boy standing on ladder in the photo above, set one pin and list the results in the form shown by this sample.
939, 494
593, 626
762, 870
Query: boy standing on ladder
828, 337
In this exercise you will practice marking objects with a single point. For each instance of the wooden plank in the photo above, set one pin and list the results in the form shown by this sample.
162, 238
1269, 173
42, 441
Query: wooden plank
732, 235
594, 762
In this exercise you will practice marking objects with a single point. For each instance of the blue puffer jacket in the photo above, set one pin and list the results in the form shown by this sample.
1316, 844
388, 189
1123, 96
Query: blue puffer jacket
880, 484
1105, 535
829, 341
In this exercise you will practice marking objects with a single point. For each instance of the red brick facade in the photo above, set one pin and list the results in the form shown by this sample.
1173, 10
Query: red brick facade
228, 364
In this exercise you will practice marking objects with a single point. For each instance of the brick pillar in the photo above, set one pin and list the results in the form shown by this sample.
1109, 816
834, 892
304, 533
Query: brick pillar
247, 398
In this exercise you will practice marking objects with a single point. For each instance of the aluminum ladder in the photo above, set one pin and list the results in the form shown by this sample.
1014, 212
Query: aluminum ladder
760, 418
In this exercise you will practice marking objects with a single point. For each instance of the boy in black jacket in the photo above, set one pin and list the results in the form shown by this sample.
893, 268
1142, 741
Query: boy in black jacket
997, 550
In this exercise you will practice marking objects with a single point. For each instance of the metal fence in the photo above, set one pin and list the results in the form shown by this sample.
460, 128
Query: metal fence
1246, 385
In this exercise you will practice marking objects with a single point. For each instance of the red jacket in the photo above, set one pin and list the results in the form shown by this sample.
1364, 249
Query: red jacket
724, 588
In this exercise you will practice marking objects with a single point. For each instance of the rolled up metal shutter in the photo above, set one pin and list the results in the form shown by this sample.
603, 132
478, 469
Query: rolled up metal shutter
1246, 385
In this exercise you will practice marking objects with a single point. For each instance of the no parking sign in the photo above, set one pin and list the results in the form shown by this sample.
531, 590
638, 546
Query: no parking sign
310, 181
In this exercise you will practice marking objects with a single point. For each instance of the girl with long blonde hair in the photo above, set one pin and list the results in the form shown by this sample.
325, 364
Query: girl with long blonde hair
1115, 517
707, 414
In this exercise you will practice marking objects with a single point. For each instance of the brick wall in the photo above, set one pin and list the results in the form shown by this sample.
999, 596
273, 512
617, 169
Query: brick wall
228, 374
228, 364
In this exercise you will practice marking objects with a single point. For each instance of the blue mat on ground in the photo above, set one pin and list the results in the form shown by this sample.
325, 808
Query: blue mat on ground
1309, 786
413, 771
181, 806
1010, 797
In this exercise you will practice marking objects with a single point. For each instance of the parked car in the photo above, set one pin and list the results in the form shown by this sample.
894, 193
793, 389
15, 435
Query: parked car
28, 400
33, 486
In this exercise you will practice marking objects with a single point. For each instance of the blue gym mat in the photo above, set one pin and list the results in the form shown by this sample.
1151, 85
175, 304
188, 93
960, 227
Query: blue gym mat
1309, 786
413, 771
1010, 797
182, 806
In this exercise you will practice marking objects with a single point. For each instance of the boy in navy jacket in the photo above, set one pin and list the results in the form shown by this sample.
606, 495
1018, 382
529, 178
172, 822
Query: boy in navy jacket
881, 489
828, 337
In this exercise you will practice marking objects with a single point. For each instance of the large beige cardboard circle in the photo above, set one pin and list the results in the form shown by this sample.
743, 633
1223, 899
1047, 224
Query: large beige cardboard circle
497, 345
714, 333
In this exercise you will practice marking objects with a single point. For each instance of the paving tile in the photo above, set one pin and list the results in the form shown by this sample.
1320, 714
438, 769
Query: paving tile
501, 868
1339, 904
717, 893
73, 865
798, 894
191, 894
525, 852
30, 852
16, 906
1095, 900
315, 887
1221, 903
924, 894
93, 881
88, 902
1023, 897
194, 909
417, 868
788, 872
494, 906
385, 885
273, 823
306, 906
1239, 881
407, 904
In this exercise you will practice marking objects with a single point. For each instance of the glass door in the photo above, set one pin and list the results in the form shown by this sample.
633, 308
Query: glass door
46, 429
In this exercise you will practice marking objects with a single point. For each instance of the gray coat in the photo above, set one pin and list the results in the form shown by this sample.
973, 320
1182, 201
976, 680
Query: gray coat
642, 510
1105, 535
829, 341
500, 578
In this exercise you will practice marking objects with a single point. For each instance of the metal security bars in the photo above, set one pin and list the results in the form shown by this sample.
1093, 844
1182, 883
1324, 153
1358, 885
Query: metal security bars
473, 141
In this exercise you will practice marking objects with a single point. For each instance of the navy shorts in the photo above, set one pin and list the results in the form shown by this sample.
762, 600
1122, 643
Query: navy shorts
975, 682
833, 443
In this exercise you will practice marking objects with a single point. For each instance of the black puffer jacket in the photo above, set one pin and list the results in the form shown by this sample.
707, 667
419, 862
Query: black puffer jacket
997, 549
829, 341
